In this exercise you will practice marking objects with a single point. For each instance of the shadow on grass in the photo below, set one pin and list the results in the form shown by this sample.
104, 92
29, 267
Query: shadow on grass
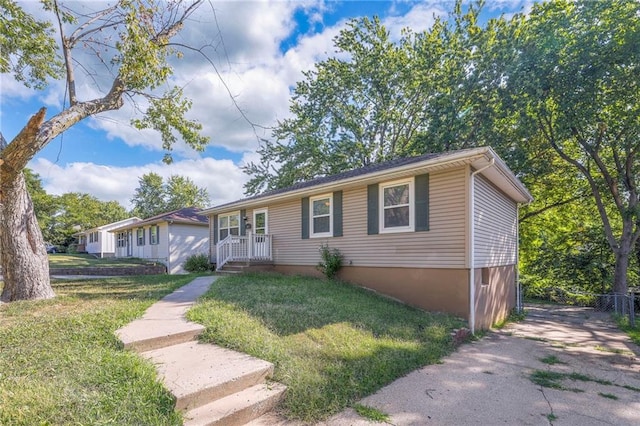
140, 287
332, 343
291, 305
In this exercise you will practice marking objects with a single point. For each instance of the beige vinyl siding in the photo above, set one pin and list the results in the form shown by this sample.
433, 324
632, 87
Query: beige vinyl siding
496, 217
443, 246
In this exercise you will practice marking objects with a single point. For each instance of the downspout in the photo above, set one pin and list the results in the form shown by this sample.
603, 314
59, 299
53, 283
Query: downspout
472, 248
169, 223
518, 295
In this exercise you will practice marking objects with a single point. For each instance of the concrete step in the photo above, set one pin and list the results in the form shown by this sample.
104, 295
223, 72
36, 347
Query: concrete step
238, 268
141, 338
238, 408
197, 374
225, 271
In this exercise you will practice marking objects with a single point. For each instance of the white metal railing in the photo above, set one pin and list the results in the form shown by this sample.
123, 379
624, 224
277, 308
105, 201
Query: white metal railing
249, 247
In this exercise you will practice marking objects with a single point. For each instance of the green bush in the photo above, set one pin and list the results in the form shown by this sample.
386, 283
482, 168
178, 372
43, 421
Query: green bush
197, 263
331, 261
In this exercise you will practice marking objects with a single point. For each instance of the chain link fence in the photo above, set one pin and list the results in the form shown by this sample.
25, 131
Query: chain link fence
615, 303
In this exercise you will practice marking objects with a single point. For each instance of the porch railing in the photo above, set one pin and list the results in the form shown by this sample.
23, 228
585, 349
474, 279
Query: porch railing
243, 248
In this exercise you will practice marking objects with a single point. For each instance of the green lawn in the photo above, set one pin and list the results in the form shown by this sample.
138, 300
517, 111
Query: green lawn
331, 343
60, 362
66, 260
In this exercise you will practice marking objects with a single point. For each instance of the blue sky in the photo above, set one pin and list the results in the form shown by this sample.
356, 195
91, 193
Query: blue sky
263, 48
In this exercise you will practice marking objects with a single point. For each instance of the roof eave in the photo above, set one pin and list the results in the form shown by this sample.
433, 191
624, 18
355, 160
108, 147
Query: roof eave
431, 162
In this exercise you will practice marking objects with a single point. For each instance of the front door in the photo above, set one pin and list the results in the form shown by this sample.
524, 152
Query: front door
260, 230
129, 243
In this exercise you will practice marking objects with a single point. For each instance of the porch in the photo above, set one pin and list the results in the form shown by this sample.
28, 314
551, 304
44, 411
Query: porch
246, 248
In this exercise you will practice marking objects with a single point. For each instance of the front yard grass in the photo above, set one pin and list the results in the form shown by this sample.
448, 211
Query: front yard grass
331, 343
60, 362
67, 260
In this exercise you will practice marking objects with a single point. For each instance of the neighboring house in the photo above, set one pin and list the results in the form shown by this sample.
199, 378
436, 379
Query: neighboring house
169, 238
99, 240
439, 231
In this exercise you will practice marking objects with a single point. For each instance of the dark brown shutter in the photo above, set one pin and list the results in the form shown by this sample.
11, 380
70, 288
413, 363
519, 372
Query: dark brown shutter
372, 209
305, 218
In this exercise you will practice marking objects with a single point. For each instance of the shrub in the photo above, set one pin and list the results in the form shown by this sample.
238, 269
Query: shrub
331, 261
197, 263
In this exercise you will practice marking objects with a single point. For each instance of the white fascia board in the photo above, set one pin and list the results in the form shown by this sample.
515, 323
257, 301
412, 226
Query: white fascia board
467, 155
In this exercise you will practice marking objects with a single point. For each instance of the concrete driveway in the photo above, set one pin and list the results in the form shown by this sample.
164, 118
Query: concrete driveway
489, 382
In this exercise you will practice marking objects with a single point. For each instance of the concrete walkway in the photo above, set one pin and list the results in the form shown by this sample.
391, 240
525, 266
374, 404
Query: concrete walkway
212, 385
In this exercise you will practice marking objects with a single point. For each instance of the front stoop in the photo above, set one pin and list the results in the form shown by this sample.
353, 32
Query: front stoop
212, 385
236, 267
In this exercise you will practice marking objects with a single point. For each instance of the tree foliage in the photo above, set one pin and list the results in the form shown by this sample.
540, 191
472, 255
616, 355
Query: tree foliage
28, 49
131, 39
575, 82
154, 196
77, 212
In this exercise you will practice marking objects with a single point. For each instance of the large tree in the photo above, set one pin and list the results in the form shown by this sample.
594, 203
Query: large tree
380, 98
45, 205
76, 211
154, 196
132, 40
149, 197
574, 81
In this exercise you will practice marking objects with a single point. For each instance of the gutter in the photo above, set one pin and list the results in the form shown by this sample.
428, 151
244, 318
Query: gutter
467, 155
472, 248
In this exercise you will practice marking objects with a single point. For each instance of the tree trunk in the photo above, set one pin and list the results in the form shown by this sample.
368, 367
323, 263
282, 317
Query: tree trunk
25, 263
620, 274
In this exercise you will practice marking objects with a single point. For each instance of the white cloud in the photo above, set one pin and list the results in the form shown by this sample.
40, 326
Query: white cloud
222, 178
419, 18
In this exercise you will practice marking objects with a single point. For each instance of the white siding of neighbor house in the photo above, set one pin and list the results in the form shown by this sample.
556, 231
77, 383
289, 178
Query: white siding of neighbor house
443, 246
496, 218
105, 243
158, 251
185, 240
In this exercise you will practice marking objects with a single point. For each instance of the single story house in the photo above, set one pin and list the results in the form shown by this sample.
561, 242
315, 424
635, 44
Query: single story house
437, 231
169, 238
99, 241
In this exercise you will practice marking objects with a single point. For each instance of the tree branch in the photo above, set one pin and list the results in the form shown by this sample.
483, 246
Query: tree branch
66, 53
529, 215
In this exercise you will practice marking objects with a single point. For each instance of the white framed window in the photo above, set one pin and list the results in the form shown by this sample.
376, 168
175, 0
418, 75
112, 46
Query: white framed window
260, 222
140, 236
122, 239
228, 224
397, 206
154, 235
321, 217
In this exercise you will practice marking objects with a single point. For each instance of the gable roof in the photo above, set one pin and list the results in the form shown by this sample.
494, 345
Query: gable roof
187, 215
496, 171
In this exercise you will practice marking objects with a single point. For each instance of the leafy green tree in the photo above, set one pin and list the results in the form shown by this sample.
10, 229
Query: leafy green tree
575, 82
149, 197
155, 196
77, 211
132, 40
346, 113
183, 192
380, 99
